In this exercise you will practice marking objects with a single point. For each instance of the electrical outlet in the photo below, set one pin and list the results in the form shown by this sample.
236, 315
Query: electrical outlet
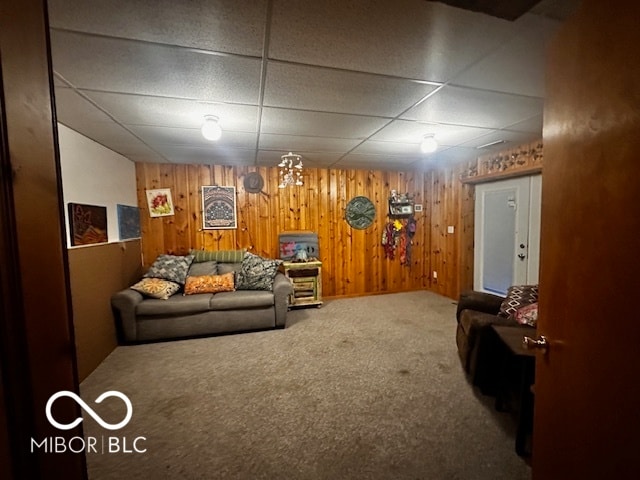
451, 229
435, 275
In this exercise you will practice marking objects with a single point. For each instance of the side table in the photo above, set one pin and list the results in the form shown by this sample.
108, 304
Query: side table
517, 367
306, 278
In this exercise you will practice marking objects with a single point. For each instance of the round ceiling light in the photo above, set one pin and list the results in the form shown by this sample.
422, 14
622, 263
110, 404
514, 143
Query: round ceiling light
211, 129
429, 144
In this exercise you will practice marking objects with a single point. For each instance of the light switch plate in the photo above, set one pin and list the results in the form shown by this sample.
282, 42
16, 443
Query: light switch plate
451, 229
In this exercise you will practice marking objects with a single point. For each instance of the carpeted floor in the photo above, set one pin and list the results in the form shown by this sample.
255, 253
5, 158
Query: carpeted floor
362, 388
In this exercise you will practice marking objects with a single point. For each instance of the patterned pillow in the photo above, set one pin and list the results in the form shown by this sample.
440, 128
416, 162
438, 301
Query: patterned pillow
209, 284
518, 296
256, 273
156, 288
527, 315
170, 267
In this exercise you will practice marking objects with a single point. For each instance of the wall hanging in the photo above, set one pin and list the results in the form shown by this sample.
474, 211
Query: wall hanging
219, 207
360, 212
160, 202
128, 222
398, 233
88, 224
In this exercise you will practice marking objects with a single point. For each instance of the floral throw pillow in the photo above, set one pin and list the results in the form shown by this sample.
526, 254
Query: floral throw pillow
156, 288
518, 296
256, 273
527, 315
170, 267
209, 284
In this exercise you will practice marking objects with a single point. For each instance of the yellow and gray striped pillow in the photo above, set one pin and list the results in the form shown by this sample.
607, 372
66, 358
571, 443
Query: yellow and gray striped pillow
223, 256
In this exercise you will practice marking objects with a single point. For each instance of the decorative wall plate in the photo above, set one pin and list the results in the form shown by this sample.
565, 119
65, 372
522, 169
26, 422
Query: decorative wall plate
253, 182
360, 212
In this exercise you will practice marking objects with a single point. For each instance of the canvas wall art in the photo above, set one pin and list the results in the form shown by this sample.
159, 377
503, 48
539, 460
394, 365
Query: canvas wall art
160, 202
87, 224
128, 222
219, 207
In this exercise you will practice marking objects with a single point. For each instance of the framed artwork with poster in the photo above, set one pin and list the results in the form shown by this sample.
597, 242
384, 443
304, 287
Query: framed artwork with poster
219, 208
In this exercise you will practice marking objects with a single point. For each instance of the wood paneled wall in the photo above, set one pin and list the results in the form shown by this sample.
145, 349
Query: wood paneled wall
353, 260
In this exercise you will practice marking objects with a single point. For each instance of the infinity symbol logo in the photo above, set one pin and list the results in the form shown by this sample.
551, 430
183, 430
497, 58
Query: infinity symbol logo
89, 410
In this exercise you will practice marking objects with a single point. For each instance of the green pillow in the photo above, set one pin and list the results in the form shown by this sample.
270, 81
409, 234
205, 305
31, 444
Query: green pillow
225, 256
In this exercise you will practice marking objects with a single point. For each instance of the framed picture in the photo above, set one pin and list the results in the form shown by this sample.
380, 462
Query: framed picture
160, 202
128, 222
219, 208
87, 224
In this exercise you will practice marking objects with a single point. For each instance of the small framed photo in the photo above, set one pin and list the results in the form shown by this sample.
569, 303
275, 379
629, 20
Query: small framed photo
219, 208
160, 202
417, 207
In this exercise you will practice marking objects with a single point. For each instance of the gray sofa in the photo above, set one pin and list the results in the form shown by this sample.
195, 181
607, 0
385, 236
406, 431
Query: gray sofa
140, 319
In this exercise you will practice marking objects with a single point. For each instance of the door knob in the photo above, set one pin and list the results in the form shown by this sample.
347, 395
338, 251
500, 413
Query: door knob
540, 343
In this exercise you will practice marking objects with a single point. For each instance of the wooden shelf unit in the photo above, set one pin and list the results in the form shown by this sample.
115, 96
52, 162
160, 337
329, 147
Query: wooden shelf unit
306, 278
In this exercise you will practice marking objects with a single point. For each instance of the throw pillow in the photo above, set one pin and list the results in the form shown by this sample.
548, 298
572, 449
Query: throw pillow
203, 268
226, 256
527, 315
156, 288
209, 284
518, 296
170, 267
256, 273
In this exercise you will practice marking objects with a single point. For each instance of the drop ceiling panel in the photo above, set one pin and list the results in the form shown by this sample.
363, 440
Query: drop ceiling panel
314, 88
235, 26
290, 143
531, 125
162, 111
512, 138
202, 155
516, 66
98, 63
384, 162
409, 38
413, 132
481, 108
305, 123
156, 136
72, 108
387, 148
452, 155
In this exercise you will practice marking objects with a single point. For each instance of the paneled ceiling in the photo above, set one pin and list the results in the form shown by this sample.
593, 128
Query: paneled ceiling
344, 83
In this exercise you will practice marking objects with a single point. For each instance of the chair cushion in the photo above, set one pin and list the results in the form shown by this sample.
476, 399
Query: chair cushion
175, 305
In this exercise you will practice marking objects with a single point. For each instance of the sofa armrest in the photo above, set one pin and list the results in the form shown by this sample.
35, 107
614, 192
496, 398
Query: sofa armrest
124, 305
479, 301
282, 288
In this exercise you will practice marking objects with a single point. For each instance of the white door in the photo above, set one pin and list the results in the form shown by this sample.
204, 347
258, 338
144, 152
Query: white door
507, 234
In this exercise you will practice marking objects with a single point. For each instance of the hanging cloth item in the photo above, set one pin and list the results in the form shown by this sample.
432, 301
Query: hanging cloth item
389, 241
410, 231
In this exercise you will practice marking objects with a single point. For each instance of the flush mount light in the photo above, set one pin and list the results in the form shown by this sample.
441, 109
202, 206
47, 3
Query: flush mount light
429, 144
211, 128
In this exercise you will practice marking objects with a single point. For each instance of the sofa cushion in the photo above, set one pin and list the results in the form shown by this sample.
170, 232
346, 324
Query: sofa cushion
527, 315
170, 267
241, 299
156, 288
176, 305
209, 284
518, 296
257, 273
203, 268
227, 256
228, 267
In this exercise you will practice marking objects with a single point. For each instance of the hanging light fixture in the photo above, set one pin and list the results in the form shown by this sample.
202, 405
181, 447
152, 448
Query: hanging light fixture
211, 129
429, 143
290, 170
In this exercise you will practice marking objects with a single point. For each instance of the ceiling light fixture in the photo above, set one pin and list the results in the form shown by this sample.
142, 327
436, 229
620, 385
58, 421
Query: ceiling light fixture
211, 129
290, 170
429, 143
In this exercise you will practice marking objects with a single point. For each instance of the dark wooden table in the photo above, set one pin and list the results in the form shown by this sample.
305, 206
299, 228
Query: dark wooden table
517, 370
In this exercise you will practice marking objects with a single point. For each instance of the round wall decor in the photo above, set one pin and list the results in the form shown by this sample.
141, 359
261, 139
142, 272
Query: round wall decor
360, 212
253, 182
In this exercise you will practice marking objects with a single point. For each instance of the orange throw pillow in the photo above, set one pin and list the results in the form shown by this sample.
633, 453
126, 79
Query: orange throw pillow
209, 284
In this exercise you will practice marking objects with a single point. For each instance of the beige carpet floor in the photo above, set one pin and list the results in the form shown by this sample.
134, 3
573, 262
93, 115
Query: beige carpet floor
362, 388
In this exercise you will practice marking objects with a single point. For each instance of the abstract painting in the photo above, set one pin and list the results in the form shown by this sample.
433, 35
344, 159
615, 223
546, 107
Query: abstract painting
88, 224
128, 222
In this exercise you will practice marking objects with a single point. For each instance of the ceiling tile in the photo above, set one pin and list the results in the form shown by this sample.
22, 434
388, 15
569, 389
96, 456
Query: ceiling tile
531, 125
386, 148
73, 108
413, 132
451, 155
156, 136
408, 38
234, 26
305, 123
512, 139
286, 143
481, 108
202, 155
162, 111
98, 63
314, 88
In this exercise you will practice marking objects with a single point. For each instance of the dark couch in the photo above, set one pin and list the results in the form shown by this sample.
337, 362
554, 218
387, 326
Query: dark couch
476, 313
